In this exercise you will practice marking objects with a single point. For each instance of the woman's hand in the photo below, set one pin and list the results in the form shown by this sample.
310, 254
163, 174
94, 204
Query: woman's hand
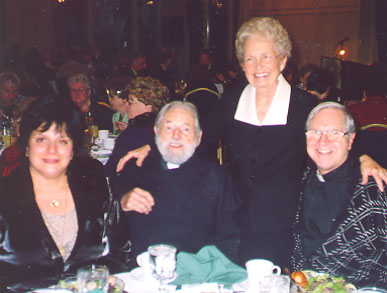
120, 126
140, 154
138, 200
369, 167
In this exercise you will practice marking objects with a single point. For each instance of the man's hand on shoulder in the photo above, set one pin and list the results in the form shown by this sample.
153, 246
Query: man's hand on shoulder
138, 200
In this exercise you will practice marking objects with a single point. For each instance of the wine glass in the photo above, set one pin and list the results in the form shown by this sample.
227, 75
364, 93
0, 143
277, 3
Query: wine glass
163, 258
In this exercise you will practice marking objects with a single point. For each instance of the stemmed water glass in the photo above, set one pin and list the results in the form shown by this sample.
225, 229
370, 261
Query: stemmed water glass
163, 259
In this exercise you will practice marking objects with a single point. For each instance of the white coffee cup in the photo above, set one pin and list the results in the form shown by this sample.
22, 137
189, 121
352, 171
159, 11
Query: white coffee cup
103, 134
108, 143
257, 269
144, 262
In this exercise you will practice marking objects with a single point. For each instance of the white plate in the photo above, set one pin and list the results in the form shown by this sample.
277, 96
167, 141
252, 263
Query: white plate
102, 152
241, 286
137, 282
47, 290
371, 289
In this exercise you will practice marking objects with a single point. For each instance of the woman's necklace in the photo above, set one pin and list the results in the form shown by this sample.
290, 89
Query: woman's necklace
62, 227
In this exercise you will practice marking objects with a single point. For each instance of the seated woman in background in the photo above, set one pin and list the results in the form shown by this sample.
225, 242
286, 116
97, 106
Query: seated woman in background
56, 213
118, 100
145, 97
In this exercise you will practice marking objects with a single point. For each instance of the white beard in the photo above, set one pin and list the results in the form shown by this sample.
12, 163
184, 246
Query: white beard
179, 157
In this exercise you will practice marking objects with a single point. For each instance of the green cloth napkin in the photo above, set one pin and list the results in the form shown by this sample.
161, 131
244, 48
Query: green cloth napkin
207, 266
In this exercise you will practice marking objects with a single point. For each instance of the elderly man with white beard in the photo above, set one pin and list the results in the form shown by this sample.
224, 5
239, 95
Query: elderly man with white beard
178, 197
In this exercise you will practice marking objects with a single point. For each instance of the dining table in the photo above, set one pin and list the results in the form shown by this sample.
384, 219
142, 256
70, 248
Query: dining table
100, 151
207, 271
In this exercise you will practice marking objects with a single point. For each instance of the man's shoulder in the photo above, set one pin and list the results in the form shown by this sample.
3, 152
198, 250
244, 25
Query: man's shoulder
204, 166
370, 192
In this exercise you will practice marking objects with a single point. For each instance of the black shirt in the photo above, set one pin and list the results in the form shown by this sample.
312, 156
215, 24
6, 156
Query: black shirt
325, 201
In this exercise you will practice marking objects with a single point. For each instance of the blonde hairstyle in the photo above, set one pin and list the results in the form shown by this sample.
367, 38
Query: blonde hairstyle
149, 91
79, 78
268, 27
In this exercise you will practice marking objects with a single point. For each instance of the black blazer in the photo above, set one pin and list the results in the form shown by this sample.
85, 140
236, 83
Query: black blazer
29, 257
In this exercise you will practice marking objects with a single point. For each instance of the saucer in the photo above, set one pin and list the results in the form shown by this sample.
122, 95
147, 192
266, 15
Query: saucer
371, 289
242, 286
137, 281
139, 275
51, 290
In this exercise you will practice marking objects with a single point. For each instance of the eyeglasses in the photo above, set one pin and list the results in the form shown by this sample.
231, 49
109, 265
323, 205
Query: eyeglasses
332, 135
263, 59
123, 94
131, 101
76, 91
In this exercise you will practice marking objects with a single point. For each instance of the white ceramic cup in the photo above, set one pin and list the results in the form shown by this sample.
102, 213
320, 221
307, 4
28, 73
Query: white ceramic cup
108, 143
103, 134
257, 269
145, 263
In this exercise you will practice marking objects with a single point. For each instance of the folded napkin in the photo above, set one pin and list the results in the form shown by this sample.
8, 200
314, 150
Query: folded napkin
209, 265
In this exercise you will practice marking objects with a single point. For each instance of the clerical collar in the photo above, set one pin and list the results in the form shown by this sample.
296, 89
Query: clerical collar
319, 176
167, 165
172, 165
339, 172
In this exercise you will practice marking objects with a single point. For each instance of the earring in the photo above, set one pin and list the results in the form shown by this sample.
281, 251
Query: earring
27, 153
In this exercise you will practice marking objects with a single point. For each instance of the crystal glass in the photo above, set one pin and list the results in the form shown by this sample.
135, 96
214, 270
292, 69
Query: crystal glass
163, 258
93, 278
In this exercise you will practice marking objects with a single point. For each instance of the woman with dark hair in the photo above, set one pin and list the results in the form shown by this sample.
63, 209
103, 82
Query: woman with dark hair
56, 213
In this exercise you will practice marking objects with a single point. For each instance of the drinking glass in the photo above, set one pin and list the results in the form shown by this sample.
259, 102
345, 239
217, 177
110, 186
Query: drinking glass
163, 258
93, 278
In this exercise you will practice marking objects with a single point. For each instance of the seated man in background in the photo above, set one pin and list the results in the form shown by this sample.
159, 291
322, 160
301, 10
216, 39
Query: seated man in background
341, 226
80, 93
178, 197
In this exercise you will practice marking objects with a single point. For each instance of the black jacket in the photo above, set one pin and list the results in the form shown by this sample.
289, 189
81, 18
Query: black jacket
266, 164
357, 248
29, 257
194, 206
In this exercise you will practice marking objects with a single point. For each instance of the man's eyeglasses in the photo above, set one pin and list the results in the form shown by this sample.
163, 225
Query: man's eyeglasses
332, 135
